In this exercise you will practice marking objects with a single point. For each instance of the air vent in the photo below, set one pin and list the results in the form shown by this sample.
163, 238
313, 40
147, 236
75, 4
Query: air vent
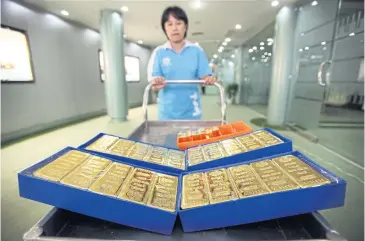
197, 33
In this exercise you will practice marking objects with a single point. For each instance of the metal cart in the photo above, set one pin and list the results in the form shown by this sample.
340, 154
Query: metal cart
62, 225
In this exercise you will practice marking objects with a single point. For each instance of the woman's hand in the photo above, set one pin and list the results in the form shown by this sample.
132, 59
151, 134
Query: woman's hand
158, 83
209, 80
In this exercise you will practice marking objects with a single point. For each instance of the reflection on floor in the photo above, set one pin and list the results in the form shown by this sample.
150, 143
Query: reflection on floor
333, 114
348, 142
18, 214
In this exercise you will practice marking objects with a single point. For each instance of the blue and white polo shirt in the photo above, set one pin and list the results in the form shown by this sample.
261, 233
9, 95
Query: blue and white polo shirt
179, 102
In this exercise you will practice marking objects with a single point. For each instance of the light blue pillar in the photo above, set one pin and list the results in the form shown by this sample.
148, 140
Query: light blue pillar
282, 65
111, 29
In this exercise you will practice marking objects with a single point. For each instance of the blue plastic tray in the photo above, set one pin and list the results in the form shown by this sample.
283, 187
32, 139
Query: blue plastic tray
268, 206
131, 161
284, 147
93, 204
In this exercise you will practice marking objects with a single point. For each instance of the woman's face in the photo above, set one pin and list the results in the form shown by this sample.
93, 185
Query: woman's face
175, 29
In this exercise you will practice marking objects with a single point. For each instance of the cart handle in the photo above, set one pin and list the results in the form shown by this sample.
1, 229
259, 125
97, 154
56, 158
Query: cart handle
219, 86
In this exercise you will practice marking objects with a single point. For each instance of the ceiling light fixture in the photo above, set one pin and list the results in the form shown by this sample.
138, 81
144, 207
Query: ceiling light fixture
274, 3
233, 56
269, 54
306, 48
140, 42
314, 3
64, 13
197, 4
352, 34
220, 50
253, 58
215, 56
124, 9
265, 53
302, 34
323, 43
254, 48
263, 56
250, 50
300, 50
269, 43
224, 43
227, 40
238, 26
262, 48
270, 40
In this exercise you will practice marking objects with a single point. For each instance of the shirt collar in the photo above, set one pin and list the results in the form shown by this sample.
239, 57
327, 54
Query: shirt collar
188, 43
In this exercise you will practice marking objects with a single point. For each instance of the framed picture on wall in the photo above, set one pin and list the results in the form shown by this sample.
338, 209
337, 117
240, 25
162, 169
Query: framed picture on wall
15, 57
132, 70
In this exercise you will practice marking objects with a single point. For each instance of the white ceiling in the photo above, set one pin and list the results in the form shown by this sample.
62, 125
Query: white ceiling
216, 19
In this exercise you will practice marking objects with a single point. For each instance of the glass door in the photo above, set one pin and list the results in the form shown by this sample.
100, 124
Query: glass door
315, 32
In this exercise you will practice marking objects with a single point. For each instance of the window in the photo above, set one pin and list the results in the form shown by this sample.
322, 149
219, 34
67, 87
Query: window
15, 61
131, 68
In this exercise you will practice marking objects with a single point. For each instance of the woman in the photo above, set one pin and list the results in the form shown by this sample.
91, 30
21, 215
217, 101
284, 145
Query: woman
178, 59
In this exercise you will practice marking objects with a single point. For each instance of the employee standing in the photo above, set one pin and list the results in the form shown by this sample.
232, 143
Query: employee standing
178, 59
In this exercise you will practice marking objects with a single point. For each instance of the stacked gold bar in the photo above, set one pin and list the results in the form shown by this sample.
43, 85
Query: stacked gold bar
301, 172
85, 174
232, 147
195, 156
175, 159
249, 142
164, 193
195, 191
111, 181
156, 155
139, 151
220, 186
266, 138
63, 165
248, 180
121, 147
103, 143
213, 151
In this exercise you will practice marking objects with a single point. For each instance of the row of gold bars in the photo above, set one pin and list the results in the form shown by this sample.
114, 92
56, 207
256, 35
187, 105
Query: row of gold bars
100, 175
139, 151
258, 178
245, 143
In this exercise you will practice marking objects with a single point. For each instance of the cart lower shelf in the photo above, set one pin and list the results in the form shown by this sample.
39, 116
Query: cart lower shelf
65, 225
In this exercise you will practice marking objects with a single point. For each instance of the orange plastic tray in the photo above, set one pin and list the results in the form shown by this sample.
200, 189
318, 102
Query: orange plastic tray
219, 133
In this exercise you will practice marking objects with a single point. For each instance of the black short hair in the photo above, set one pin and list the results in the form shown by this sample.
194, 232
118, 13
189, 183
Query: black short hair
178, 13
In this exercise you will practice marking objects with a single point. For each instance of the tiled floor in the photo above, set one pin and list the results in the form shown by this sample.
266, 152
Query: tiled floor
18, 214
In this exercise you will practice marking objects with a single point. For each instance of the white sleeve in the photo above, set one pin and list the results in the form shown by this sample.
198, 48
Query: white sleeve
151, 62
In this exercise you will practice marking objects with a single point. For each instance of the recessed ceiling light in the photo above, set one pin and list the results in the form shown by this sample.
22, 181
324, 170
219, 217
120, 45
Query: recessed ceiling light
224, 43
306, 48
324, 48
227, 40
265, 53
300, 50
254, 48
232, 56
124, 9
270, 40
314, 3
253, 58
262, 43
269, 54
262, 48
269, 43
274, 3
263, 56
65, 13
323, 43
250, 50
238, 26
220, 50
215, 56
352, 34
140, 42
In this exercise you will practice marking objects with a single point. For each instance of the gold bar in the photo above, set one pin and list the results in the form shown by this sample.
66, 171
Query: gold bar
194, 191
156, 155
103, 143
138, 186
121, 147
195, 156
112, 179
63, 165
267, 138
272, 175
220, 186
85, 174
139, 151
175, 159
250, 142
164, 193
213, 151
232, 146
301, 172
246, 181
